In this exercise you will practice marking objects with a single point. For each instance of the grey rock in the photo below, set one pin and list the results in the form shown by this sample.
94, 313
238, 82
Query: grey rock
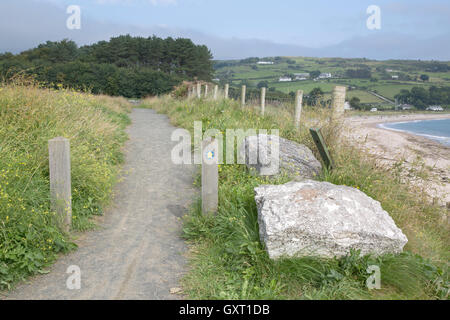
312, 218
271, 155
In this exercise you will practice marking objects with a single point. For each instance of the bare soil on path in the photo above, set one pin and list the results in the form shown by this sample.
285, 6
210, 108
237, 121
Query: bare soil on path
137, 251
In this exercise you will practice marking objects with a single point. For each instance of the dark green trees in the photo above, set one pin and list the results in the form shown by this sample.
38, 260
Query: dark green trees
124, 65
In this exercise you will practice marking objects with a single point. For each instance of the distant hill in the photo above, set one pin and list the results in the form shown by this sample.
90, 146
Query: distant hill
361, 76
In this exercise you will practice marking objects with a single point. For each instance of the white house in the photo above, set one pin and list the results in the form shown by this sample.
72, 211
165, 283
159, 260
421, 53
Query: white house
395, 77
264, 62
301, 76
324, 75
347, 106
435, 108
285, 79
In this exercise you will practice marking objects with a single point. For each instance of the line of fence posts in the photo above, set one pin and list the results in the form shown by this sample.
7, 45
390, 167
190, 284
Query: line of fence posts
210, 149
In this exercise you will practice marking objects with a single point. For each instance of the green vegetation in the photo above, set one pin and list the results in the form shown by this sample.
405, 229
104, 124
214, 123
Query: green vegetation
227, 259
422, 98
124, 66
30, 116
387, 78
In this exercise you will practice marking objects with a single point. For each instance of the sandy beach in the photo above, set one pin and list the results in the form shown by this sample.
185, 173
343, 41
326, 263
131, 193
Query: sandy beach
389, 147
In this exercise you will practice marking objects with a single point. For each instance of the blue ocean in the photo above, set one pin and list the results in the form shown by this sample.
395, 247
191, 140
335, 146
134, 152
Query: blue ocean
438, 130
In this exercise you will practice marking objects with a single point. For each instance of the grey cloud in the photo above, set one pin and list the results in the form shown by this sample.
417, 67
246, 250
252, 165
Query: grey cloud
25, 24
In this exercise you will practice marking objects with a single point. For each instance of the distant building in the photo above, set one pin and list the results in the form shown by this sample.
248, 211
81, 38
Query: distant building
324, 75
406, 107
435, 108
285, 79
347, 106
301, 76
265, 62
373, 110
395, 77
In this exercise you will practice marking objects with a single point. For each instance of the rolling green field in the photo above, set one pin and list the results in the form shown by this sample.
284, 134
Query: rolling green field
409, 71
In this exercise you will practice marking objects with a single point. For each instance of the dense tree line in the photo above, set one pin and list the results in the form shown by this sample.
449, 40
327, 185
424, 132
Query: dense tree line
125, 65
422, 98
360, 73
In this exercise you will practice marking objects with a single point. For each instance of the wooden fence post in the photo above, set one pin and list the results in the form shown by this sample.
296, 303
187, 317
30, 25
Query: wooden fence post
210, 175
60, 180
298, 108
243, 93
263, 101
322, 147
206, 90
338, 100
199, 90
216, 90
227, 88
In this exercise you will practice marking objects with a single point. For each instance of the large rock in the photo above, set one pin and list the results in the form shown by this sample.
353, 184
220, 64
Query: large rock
270, 155
312, 218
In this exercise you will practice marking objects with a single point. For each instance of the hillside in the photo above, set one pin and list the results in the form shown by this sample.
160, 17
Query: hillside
361, 76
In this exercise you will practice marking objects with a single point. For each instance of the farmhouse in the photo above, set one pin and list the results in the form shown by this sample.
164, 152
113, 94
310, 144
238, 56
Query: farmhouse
406, 107
285, 79
301, 76
264, 62
395, 77
435, 108
324, 75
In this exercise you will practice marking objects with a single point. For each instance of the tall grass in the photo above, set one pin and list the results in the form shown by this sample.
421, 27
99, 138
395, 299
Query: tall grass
227, 258
29, 117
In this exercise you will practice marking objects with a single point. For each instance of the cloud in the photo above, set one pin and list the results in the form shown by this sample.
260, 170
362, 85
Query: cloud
25, 24
153, 2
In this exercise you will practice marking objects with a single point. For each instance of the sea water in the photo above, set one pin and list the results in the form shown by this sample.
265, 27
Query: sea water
438, 130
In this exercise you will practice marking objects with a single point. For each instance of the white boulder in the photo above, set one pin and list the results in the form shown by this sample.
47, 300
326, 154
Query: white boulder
312, 218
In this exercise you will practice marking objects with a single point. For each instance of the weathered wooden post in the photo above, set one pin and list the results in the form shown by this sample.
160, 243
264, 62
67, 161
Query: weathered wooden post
210, 175
60, 180
322, 147
206, 90
199, 90
216, 90
298, 108
227, 88
243, 93
263, 101
338, 100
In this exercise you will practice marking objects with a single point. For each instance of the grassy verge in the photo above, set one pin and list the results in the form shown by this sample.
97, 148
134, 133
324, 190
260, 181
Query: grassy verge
29, 117
228, 260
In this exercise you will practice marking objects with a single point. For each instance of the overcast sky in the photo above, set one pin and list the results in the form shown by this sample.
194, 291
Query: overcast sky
410, 29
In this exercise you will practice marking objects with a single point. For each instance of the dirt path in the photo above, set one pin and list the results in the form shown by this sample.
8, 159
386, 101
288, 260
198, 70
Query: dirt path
137, 253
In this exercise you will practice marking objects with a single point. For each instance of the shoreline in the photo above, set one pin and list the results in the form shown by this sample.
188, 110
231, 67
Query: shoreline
391, 146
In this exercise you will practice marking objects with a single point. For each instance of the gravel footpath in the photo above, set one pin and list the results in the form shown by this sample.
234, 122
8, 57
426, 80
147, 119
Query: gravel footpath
137, 252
